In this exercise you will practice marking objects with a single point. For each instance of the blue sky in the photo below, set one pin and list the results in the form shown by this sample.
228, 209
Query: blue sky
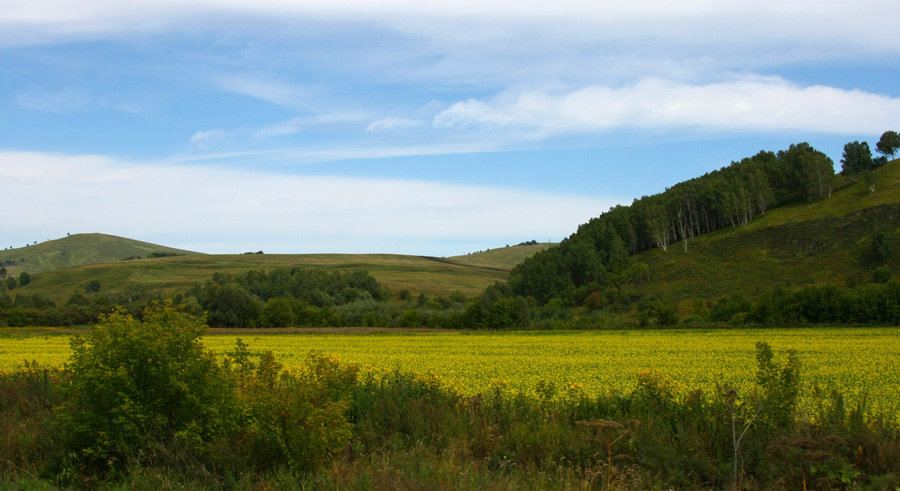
432, 128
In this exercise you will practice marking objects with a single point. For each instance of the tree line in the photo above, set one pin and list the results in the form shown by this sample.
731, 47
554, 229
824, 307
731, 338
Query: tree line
598, 254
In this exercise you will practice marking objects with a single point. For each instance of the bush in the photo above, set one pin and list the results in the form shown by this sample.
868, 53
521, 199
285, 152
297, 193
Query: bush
137, 386
882, 244
279, 312
27, 398
882, 274
727, 307
92, 286
780, 384
293, 418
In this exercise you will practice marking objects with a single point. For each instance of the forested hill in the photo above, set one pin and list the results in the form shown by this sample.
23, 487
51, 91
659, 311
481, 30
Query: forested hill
599, 255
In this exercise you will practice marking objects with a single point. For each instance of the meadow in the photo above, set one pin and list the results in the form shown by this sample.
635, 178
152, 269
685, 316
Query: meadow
860, 362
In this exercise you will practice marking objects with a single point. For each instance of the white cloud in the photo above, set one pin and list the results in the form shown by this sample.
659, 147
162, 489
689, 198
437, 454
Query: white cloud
760, 22
196, 204
393, 123
206, 139
749, 104
55, 101
297, 124
273, 91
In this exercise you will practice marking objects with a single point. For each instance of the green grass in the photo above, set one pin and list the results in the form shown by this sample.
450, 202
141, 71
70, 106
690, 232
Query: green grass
62, 267
826, 241
169, 276
504, 258
79, 250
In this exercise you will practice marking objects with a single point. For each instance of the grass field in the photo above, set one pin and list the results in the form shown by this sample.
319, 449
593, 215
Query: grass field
169, 276
860, 362
501, 258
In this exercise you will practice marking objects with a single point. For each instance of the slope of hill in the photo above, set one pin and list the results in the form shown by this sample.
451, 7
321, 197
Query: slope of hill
822, 240
169, 276
504, 258
79, 250
826, 241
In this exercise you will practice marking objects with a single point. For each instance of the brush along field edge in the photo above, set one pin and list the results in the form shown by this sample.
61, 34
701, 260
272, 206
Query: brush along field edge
860, 362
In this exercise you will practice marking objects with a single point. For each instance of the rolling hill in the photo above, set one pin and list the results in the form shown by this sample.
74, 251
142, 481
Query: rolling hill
80, 250
504, 258
168, 276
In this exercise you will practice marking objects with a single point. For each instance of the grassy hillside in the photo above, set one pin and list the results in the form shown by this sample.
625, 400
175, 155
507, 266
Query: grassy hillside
826, 241
79, 250
172, 275
504, 258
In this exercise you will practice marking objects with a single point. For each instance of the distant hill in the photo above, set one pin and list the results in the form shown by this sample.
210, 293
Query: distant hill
80, 250
504, 258
169, 276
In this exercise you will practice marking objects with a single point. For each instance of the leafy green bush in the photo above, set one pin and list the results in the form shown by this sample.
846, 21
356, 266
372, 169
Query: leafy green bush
138, 385
881, 274
727, 307
279, 312
882, 244
780, 385
292, 418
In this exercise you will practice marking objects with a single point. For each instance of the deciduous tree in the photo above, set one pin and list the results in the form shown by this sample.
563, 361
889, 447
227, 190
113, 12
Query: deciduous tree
856, 160
889, 143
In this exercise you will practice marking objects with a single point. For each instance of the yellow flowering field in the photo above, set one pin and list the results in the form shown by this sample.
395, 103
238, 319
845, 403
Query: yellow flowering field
857, 361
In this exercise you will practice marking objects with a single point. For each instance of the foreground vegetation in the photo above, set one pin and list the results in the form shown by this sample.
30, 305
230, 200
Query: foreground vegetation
861, 363
145, 404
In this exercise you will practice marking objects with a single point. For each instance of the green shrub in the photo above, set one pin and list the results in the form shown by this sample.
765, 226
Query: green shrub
27, 398
780, 385
292, 418
882, 274
882, 244
279, 312
727, 307
137, 386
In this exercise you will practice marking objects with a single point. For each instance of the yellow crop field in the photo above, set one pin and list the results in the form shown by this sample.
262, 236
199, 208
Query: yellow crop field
859, 362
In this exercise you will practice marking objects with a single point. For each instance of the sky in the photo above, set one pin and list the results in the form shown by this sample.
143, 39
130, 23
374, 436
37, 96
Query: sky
433, 128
